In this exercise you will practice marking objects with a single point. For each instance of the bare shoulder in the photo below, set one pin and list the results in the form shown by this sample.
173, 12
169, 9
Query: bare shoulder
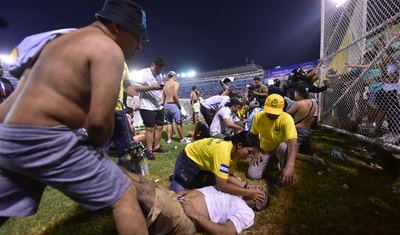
86, 43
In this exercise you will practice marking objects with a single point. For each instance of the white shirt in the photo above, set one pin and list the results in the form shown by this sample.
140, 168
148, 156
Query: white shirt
223, 207
218, 124
149, 100
214, 102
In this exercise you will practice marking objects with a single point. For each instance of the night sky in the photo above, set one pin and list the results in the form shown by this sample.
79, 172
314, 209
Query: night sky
191, 35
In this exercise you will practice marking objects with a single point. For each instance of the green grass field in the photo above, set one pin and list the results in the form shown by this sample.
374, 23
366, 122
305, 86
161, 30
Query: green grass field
348, 197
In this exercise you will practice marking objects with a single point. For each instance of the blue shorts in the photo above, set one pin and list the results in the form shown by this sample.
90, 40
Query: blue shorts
32, 157
172, 113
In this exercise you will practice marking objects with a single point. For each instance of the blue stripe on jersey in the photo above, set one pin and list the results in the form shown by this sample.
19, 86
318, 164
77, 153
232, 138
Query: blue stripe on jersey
224, 168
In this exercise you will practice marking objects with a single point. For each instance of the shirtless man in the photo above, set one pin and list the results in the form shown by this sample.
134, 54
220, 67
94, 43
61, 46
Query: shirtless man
52, 128
172, 107
302, 112
194, 101
191, 211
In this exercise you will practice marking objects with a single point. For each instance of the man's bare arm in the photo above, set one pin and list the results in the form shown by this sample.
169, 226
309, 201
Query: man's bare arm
175, 95
105, 75
225, 186
288, 171
129, 88
148, 88
230, 124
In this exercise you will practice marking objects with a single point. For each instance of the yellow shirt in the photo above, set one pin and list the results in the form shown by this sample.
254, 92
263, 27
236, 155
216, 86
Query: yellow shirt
213, 155
242, 111
273, 132
125, 77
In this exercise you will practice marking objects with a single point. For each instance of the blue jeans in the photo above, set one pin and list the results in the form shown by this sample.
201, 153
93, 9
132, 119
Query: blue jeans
120, 135
186, 168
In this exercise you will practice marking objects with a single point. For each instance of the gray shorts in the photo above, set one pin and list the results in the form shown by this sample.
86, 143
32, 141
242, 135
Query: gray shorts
303, 139
32, 157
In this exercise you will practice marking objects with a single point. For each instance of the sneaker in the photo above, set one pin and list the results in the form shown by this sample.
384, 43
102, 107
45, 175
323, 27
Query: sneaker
185, 141
150, 156
160, 150
169, 141
173, 133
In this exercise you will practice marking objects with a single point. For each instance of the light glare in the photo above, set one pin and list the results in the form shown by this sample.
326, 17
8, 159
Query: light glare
339, 2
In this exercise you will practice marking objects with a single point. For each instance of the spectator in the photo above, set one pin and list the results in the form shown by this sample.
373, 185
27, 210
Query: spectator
258, 91
192, 211
213, 161
194, 101
210, 106
62, 147
254, 107
149, 85
274, 88
122, 134
136, 137
387, 99
296, 77
172, 107
372, 86
302, 112
278, 138
225, 121
201, 131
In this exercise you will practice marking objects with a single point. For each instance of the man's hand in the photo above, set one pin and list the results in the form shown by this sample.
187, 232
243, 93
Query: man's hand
135, 103
288, 175
257, 195
257, 159
189, 209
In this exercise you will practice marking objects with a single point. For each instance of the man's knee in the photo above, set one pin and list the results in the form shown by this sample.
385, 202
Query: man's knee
282, 149
150, 129
254, 173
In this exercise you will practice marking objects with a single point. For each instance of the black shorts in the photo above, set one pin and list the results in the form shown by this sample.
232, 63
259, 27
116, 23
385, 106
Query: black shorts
152, 117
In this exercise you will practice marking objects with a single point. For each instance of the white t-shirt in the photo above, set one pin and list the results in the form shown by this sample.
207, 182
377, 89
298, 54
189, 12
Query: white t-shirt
149, 100
214, 102
218, 124
223, 207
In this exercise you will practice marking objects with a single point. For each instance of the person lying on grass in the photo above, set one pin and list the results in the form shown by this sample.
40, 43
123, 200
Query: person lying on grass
212, 161
191, 211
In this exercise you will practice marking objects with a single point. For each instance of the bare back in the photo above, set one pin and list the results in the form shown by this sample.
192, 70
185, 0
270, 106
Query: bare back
171, 91
73, 83
301, 109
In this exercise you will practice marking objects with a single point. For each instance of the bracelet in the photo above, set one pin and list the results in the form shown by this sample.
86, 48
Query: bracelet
246, 185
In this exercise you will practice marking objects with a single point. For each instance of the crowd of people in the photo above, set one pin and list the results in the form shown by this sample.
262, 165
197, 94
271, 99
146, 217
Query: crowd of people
268, 124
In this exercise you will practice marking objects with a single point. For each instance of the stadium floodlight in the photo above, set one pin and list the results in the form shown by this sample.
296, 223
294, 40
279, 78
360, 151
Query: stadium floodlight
6, 59
183, 75
191, 74
339, 2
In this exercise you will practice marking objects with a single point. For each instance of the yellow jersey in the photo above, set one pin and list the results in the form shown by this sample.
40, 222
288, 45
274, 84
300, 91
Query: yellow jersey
213, 155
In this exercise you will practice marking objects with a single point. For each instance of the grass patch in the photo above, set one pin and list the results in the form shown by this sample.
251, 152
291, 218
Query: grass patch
349, 197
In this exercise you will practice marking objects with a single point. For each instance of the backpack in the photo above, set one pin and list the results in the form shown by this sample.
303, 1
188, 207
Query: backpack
27, 51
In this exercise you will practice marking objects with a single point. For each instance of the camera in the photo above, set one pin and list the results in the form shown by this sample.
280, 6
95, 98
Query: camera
250, 89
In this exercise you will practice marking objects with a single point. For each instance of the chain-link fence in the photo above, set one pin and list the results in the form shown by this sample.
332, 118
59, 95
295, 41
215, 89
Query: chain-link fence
360, 48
